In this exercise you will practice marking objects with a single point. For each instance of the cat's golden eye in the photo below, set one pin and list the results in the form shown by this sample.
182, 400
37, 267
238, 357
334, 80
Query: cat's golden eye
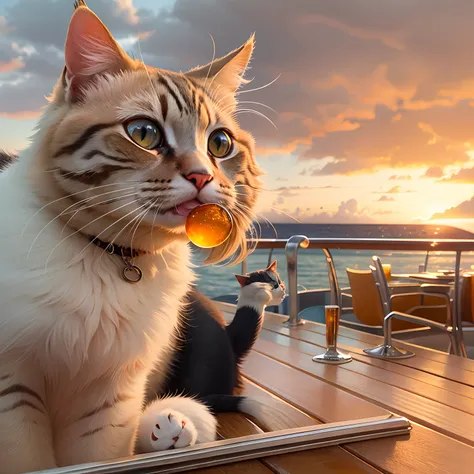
219, 144
144, 133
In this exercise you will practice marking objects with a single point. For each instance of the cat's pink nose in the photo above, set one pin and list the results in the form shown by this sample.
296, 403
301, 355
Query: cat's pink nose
199, 179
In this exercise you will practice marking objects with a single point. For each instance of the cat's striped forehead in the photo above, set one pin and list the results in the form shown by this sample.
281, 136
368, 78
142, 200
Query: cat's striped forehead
173, 97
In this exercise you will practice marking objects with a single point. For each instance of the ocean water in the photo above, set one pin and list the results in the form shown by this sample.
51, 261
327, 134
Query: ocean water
312, 269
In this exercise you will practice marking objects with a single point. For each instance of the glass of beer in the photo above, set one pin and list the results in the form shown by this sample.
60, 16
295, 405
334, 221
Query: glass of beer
332, 355
387, 269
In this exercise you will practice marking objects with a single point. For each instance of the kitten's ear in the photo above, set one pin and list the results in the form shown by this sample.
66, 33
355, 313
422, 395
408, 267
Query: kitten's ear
226, 74
242, 279
272, 267
90, 49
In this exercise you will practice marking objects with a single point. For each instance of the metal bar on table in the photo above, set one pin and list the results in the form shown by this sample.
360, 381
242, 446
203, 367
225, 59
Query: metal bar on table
247, 447
291, 251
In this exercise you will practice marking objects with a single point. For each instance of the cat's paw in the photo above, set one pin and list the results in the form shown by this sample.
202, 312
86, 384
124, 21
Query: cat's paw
175, 422
170, 429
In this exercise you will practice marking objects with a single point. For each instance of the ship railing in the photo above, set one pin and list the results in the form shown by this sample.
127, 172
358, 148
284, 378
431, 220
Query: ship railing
297, 242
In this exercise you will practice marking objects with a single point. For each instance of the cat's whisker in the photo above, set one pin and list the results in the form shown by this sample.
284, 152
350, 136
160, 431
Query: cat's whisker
69, 196
145, 212
254, 112
250, 102
58, 217
76, 259
211, 63
235, 94
83, 227
245, 91
100, 203
285, 214
136, 220
157, 210
144, 66
107, 201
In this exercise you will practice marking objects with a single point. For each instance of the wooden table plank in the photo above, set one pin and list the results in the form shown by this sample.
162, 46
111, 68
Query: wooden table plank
331, 460
370, 339
449, 371
244, 467
362, 367
432, 414
387, 365
356, 341
423, 452
324, 394
298, 389
334, 459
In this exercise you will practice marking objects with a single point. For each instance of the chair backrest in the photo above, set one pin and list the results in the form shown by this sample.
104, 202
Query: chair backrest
366, 301
381, 284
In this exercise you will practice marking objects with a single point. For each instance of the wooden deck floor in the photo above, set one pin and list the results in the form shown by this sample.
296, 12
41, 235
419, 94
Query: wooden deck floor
434, 390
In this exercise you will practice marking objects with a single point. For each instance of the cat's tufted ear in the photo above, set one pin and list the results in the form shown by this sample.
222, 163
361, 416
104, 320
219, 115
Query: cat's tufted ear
90, 50
242, 279
225, 75
272, 267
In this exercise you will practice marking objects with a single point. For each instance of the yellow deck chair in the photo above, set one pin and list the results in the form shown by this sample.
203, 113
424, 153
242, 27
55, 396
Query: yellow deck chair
368, 307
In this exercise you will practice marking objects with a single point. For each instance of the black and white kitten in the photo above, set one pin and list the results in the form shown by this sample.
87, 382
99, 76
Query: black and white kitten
206, 364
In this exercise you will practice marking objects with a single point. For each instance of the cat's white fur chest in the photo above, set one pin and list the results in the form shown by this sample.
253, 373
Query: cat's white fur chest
82, 317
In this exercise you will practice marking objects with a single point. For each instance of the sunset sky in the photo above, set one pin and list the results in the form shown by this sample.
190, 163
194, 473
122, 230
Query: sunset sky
373, 100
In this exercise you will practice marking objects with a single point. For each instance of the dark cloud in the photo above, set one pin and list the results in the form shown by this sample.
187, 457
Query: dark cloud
393, 190
44, 23
434, 172
391, 138
465, 210
27, 104
404, 177
371, 84
385, 199
465, 175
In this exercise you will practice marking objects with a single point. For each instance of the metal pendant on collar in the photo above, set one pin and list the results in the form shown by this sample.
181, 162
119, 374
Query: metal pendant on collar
131, 273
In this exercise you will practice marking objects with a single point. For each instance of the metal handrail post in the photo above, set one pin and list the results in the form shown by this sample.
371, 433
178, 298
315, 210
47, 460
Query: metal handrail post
244, 267
426, 261
291, 251
270, 255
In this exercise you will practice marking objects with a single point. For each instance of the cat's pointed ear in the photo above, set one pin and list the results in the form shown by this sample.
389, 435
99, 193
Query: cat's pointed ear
90, 50
242, 279
272, 267
226, 74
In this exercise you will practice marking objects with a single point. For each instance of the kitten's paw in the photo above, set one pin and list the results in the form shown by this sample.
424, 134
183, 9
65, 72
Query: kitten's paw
170, 430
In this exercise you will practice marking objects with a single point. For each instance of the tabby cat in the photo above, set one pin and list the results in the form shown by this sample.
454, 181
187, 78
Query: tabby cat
205, 362
94, 260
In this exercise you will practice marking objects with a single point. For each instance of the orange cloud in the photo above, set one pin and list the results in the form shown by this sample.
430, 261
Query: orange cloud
465, 210
24, 115
12, 65
464, 175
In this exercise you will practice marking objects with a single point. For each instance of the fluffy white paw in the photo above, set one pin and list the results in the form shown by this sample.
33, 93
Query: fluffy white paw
169, 429
174, 422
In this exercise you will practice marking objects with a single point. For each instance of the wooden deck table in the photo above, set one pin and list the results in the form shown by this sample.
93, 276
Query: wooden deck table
435, 391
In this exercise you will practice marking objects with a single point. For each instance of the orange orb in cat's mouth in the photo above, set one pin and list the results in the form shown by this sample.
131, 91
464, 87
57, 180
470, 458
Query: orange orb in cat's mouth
208, 225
